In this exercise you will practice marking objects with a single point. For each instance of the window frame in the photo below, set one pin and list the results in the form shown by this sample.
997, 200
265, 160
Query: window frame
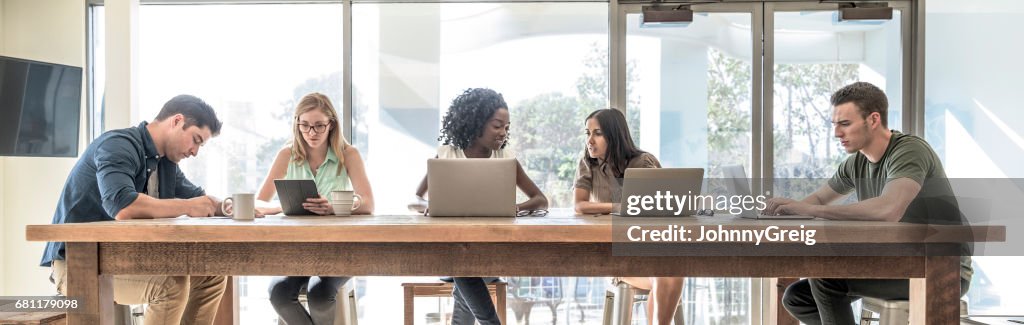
768, 79
762, 92
759, 312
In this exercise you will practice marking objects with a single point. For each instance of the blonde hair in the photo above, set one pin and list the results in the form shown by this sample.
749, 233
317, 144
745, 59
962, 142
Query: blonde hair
335, 140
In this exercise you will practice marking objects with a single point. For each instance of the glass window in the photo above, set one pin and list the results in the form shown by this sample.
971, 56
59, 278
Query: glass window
689, 90
689, 103
548, 60
251, 63
410, 60
972, 119
814, 55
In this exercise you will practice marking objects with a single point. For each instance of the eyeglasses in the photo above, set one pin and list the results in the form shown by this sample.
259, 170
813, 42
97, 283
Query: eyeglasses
319, 128
532, 213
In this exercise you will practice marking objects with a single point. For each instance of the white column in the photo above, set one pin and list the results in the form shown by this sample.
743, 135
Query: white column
122, 34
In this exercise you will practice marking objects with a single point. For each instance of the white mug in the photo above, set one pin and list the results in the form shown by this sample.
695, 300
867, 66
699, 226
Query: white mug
243, 206
342, 198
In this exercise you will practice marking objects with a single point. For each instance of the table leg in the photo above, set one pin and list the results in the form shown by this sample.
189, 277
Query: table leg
409, 305
499, 291
95, 292
936, 298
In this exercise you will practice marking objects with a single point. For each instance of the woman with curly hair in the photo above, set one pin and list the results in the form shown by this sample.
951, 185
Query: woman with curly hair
610, 150
476, 126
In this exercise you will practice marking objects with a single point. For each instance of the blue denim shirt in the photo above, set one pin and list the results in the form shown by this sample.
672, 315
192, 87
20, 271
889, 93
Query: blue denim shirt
109, 176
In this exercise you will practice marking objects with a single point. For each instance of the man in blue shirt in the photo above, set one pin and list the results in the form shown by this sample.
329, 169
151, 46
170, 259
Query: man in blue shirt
133, 173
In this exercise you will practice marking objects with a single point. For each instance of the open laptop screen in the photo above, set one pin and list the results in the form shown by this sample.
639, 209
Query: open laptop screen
661, 191
471, 187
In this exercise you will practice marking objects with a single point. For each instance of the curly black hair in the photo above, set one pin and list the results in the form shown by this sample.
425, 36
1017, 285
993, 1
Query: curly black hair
467, 116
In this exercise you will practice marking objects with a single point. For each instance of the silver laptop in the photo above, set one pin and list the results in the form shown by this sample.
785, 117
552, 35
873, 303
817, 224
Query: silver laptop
471, 187
643, 182
736, 183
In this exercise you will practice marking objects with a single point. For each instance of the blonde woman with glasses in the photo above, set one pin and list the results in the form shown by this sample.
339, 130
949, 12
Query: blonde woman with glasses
319, 152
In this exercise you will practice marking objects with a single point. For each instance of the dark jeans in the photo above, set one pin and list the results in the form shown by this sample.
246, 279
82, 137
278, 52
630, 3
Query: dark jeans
473, 302
321, 292
827, 301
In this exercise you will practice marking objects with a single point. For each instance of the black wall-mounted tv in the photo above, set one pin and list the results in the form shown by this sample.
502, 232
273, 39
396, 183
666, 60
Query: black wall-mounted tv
39, 108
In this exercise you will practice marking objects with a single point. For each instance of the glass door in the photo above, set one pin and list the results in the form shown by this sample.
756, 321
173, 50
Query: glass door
809, 54
692, 99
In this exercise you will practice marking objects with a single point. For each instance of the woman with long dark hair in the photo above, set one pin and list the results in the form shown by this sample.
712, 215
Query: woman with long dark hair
610, 150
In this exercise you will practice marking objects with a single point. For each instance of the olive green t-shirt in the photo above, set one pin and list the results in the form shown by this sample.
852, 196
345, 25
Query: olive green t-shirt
907, 156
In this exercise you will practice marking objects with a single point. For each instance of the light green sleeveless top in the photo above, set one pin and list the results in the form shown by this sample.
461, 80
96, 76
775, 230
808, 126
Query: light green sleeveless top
327, 178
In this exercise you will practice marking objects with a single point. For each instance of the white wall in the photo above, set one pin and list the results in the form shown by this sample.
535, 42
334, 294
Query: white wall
972, 66
2, 246
51, 31
972, 107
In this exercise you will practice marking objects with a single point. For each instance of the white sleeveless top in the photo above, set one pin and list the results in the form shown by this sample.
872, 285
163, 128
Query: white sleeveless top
451, 152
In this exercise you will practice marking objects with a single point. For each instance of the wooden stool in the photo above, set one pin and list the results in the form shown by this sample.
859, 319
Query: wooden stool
444, 289
35, 318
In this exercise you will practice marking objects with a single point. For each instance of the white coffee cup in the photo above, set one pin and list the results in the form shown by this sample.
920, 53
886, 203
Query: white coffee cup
242, 207
344, 202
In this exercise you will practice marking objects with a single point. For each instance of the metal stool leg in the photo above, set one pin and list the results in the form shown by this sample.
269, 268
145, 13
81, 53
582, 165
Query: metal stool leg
609, 298
345, 313
622, 305
122, 314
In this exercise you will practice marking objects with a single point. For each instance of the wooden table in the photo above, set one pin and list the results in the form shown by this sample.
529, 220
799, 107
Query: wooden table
547, 246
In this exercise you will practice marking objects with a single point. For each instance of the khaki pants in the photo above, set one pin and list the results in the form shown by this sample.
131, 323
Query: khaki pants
171, 299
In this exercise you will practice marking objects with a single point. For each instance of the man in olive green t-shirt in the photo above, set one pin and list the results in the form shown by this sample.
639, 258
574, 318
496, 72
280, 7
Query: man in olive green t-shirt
897, 177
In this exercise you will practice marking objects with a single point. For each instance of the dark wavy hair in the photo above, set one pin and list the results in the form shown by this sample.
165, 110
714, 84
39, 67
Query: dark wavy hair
621, 147
197, 113
867, 97
467, 116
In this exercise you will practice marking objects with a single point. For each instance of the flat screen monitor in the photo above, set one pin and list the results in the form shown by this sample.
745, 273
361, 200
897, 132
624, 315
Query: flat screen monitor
39, 108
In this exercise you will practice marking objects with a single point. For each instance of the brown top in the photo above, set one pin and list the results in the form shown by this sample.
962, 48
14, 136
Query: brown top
603, 184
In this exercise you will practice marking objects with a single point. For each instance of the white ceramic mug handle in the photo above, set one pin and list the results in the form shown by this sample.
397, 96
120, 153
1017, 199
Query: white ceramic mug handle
223, 206
358, 201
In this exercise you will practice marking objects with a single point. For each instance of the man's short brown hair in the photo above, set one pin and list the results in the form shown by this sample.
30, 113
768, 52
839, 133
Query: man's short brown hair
197, 113
868, 98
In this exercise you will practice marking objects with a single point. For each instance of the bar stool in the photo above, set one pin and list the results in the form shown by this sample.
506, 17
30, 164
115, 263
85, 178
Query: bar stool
444, 289
33, 318
618, 305
129, 314
890, 312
